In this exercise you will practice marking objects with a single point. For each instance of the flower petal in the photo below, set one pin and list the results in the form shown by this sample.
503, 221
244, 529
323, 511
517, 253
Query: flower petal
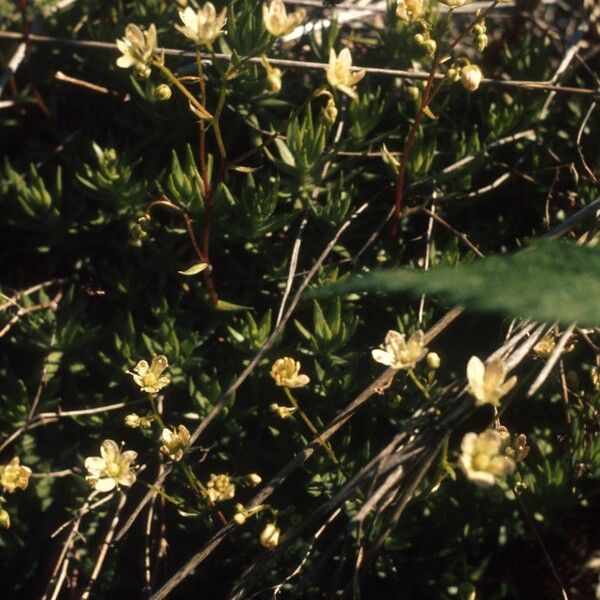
106, 484
383, 357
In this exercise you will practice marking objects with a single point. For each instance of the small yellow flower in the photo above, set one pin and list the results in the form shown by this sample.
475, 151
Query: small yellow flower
138, 49
409, 10
482, 460
149, 378
277, 21
471, 76
111, 468
204, 26
286, 372
4, 519
283, 412
175, 442
339, 72
220, 487
13, 476
269, 537
486, 382
399, 353
273, 75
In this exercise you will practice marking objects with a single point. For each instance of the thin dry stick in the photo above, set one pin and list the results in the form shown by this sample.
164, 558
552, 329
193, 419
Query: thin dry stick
105, 546
552, 360
298, 64
578, 141
461, 236
60, 569
428, 236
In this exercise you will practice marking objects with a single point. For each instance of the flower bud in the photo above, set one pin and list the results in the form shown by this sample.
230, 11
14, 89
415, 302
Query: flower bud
470, 76
419, 38
274, 81
4, 519
429, 47
239, 518
413, 92
133, 421
482, 42
433, 360
253, 478
162, 92
330, 112
269, 537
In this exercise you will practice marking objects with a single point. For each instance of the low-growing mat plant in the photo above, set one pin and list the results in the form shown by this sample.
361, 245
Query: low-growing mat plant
298, 299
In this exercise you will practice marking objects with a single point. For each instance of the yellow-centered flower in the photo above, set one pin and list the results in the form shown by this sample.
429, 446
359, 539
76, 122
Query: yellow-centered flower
486, 382
203, 26
339, 73
482, 459
220, 487
13, 476
399, 353
286, 373
137, 48
277, 21
149, 377
111, 468
175, 442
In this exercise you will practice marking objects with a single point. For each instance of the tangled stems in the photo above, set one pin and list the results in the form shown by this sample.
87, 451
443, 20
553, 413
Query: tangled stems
202, 255
325, 445
429, 94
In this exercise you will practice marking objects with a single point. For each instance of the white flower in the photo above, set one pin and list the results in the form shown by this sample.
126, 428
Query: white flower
138, 49
111, 468
150, 378
204, 26
399, 353
283, 412
470, 76
339, 72
175, 442
286, 372
269, 537
482, 460
277, 21
486, 382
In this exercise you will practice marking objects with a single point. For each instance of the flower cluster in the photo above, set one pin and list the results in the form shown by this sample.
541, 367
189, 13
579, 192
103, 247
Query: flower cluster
220, 488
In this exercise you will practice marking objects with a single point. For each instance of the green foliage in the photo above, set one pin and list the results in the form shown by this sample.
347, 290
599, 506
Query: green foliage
131, 231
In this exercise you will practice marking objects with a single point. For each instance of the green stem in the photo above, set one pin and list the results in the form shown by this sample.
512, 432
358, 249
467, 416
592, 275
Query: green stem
215, 121
327, 447
418, 384
171, 77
